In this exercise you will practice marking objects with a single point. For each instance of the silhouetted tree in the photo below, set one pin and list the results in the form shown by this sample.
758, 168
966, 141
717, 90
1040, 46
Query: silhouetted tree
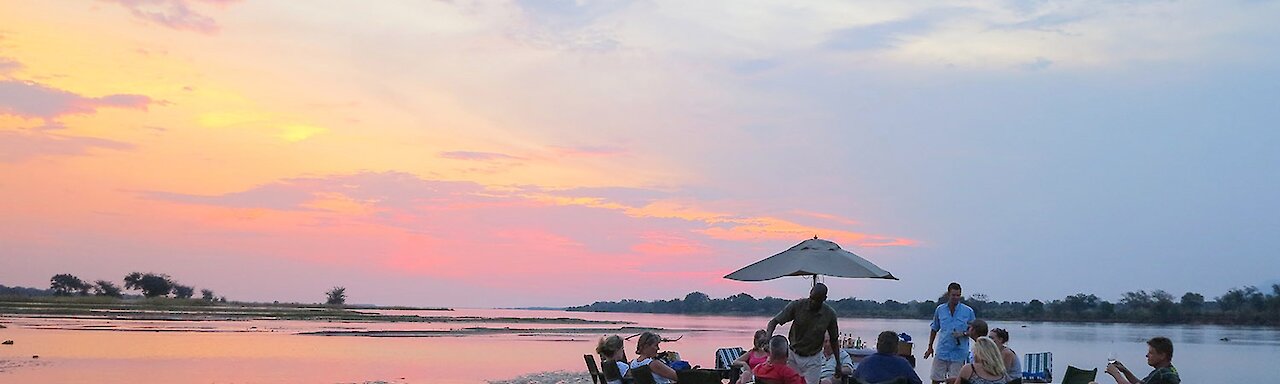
106, 288
1035, 308
1079, 303
207, 295
1192, 302
1232, 300
151, 284
66, 284
1163, 308
1106, 310
696, 301
183, 292
336, 296
1136, 300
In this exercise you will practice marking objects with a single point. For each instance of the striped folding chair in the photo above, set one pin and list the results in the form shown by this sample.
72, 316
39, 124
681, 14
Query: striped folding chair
1038, 368
726, 356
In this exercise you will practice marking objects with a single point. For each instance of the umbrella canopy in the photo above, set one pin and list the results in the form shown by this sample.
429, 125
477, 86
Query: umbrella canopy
811, 257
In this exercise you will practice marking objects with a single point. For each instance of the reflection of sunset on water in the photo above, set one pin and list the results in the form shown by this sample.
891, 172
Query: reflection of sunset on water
273, 352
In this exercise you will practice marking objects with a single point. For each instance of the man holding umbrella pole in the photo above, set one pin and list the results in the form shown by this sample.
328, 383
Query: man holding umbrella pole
814, 322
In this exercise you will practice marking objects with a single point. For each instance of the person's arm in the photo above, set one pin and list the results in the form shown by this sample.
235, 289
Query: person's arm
662, 369
1117, 372
847, 365
1009, 357
934, 326
1129, 375
742, 360
786, 315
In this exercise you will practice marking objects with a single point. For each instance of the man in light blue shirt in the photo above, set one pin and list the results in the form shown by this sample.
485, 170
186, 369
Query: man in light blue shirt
952, 320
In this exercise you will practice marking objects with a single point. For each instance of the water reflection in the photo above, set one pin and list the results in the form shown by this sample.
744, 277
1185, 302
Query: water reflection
113, 351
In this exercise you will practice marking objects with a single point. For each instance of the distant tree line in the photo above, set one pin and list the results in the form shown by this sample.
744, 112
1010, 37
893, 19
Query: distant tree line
148, 284
24, 291
1248, 306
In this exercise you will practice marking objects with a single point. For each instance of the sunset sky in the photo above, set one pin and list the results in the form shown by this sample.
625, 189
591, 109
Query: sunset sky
548, 153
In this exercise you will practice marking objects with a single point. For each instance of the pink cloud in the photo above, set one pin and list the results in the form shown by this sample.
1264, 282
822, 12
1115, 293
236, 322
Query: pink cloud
502, 241
32, 100
174, 14
18, 146
8, 65
477, 156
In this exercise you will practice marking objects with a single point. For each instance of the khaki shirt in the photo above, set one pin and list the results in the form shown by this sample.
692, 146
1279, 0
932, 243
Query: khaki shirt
806, 334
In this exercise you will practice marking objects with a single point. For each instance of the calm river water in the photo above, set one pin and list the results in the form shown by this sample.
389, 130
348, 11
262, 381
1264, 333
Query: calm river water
107, 351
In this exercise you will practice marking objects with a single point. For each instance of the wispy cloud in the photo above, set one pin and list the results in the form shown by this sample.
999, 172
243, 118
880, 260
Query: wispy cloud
21, 145
477, 156
174, 14
8, 65
35, 100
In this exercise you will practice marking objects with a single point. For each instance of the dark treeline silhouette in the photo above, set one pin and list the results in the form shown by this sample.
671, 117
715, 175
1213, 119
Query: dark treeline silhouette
24, 291
149, 284
1246, 306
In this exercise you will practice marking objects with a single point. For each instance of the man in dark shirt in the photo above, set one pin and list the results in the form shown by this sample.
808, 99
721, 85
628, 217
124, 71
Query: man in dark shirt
814, 319
1159, 356
885, 364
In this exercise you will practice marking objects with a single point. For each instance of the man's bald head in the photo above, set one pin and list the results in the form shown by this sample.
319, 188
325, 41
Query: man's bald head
818, 289
817, 295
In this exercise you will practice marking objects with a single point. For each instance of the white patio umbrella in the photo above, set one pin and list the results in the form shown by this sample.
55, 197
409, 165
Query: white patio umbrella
814, 257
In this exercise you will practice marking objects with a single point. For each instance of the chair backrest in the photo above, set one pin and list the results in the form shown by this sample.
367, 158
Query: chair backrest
1038, 368
594, 370
726, 356
642, 375
609, 370
1079, 376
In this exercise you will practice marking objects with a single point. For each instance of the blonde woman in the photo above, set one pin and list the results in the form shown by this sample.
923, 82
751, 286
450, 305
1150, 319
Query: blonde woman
612, 354
647, 355
988, 364
758, 354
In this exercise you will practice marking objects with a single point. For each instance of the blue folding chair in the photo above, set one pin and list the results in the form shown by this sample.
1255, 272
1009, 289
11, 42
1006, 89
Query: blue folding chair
1039, 368
726, 356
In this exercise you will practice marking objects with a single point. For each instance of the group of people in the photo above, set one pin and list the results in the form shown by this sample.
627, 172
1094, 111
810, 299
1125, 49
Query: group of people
990, 361
612, 355
810, 353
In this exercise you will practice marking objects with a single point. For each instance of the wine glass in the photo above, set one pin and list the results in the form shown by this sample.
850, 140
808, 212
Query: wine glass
1111, 358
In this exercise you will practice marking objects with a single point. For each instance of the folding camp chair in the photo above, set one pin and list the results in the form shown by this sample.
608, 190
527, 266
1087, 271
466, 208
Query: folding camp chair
642, 375
609, 370
1079, 376
1038, 368
726, 356
594, 370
